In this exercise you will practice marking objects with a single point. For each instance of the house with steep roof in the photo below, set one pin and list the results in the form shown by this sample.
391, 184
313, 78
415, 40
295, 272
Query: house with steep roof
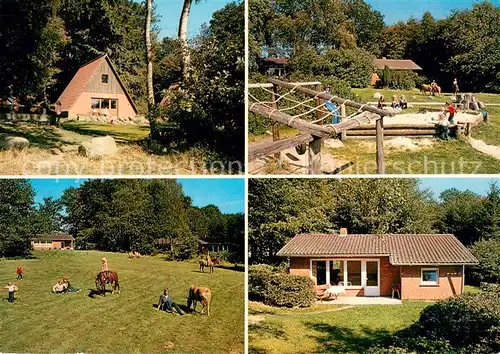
96, 89
55, 241
393, 64
421, 266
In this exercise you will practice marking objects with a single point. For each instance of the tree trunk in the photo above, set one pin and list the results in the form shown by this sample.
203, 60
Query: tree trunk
149, 53
183, 27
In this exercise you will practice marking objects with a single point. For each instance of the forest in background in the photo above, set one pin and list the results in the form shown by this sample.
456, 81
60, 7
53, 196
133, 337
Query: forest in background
117, 216
340, 39
278, 209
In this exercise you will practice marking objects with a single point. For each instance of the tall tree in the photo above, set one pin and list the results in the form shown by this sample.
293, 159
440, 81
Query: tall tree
183, 35
149, 53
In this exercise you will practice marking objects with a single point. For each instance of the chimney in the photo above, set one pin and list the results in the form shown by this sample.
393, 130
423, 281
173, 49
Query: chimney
343, 231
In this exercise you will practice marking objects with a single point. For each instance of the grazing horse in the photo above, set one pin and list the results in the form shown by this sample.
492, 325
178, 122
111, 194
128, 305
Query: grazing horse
107, 277
201, 295
426, 88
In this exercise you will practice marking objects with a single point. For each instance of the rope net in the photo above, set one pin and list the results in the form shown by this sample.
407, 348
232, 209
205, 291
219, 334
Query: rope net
296, 106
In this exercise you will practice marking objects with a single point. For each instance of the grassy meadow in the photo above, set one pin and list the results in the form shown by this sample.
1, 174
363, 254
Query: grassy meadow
41, 322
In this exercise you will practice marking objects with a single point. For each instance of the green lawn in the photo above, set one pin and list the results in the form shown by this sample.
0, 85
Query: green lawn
351, 330
41, 322
122, 133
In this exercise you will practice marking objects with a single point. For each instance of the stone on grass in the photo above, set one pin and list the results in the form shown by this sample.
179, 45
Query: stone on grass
97, 147
9, 142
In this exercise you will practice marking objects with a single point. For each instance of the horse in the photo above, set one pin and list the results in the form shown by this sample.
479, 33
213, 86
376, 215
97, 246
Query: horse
107, 277
201, 295
206, 263
426, 88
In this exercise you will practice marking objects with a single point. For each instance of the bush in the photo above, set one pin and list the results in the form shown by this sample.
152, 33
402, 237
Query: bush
278, 288
469, 323
488, 254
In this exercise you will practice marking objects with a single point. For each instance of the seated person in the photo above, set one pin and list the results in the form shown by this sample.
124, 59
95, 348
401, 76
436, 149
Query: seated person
381, 101
395, 102
59, 287
68, 286
166, 303
403, 102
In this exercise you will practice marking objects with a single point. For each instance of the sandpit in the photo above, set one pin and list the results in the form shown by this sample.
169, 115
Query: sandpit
430, 118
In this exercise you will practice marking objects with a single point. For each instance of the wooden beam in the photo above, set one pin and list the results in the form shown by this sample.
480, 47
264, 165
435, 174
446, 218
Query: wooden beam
339, 100
318, 102
343, 116
271, 147
380, 146
314, 157
300, 124
276, 124
268, 85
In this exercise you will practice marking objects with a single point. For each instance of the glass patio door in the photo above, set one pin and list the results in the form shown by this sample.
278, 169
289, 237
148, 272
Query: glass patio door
372, 278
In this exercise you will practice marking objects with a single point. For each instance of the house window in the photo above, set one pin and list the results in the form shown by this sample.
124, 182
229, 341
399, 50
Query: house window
354, 272
104, 103
430, 276
95, 103
113, 104
336, 272
104, 78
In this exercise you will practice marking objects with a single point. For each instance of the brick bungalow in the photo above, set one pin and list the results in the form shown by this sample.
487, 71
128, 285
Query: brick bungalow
53, 242
426, 267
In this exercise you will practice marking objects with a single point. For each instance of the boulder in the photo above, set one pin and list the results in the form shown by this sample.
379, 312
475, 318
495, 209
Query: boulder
9, 142
96, 147
377, 95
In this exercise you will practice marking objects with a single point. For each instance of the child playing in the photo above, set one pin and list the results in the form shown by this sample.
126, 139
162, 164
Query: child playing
451, 110
104, 264
12, 289
443, 125
19, 273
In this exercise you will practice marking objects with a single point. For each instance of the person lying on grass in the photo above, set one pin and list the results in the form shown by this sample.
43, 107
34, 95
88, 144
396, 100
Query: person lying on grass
12, 289
166, 303
59, 287
67, 285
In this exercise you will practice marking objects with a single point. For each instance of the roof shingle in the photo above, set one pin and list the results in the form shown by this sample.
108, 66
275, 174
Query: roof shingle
396, 64
402, 249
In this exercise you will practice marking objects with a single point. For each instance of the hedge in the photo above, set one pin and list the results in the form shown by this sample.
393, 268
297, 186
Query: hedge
272, 287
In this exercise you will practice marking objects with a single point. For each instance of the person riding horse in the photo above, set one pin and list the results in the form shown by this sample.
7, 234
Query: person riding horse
107, 277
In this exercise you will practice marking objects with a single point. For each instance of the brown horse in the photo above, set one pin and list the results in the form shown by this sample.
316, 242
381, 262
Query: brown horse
201, 295
207, 263
107, 277
436, 90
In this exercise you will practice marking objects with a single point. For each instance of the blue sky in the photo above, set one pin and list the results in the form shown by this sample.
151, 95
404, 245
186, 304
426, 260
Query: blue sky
228, 193
170, 11
477, 185
402, 10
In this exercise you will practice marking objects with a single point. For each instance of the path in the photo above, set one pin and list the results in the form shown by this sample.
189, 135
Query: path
481, 146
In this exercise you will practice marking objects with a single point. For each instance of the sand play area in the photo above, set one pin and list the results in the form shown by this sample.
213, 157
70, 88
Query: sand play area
430, 118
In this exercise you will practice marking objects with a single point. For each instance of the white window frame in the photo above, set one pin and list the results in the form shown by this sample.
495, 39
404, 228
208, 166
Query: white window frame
429, 283
346, 279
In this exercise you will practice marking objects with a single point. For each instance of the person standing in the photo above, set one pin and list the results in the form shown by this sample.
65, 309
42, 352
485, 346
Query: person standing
455, 86
12, 289
19, 272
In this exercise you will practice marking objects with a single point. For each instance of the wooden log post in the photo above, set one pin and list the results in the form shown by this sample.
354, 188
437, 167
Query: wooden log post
314, 156
343, 116
318, 102
380, 146
276, 124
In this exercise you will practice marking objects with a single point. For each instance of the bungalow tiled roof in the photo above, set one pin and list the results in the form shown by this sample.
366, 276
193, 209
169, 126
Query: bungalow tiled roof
402, 249
396, 64
53, 237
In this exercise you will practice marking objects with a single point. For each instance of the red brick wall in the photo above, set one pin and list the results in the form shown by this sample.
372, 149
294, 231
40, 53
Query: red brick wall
450, 283
299, 266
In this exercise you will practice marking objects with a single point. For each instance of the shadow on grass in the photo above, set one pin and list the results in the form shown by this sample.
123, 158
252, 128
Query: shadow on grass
184, 308
93, 293
42, 137
345, 340
236, 268
113, 131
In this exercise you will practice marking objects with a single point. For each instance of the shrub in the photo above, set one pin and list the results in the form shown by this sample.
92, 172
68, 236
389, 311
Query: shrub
469, 323
488, 254
278, 288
